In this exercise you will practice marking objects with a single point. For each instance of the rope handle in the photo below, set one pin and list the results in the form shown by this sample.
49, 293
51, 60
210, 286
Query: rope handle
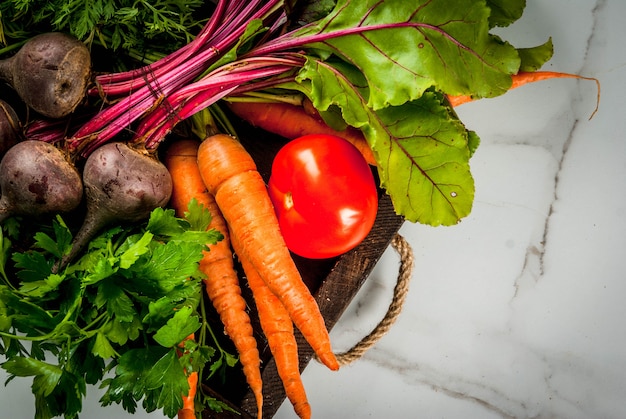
404, 250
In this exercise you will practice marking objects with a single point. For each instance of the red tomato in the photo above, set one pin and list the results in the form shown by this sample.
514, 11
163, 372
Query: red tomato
324, 194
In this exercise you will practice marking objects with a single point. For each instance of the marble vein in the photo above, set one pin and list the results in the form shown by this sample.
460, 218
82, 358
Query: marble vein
533, 267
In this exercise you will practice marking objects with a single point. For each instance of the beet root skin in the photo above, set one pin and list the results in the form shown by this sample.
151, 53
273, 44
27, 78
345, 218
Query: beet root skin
37, 179
125, 184
121, 185
50, 73
10, 127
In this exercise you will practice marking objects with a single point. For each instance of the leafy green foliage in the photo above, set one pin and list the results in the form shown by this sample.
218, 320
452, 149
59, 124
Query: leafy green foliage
443, 44
117, 24
385, 68
181, 325
430, 150
505, 12
300, 12
533, 58
125, 306
422, 149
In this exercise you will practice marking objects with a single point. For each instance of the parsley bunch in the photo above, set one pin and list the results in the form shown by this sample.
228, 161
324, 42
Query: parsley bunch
126, 24
119, 316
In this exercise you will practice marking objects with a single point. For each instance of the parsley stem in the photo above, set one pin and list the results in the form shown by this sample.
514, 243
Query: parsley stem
94, 322
202, 338
40, 338
205, 324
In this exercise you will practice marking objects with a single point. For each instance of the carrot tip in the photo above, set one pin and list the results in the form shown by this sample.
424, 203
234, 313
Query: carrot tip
330, 361
524, 77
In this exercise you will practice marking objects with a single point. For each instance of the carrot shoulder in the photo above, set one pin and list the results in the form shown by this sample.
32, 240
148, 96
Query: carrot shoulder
222, 282
278, 329
230, 175
293, 121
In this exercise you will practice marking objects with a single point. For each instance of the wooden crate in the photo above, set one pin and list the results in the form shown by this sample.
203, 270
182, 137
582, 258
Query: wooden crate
333, 282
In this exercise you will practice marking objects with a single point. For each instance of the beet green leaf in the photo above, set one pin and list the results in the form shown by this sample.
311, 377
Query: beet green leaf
405, 47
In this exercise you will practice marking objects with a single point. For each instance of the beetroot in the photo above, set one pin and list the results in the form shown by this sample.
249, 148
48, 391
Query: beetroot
50, 73
121, 184
10, 127
37, 179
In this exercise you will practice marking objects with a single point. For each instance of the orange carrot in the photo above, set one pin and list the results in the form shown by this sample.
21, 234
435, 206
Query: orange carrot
189, 410
525, 77
278, 329
222, 282
293, 121
231, 176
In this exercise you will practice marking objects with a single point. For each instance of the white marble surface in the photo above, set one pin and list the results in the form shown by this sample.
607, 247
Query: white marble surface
519, 311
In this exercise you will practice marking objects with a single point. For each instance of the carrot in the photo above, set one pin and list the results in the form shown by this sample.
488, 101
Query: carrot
188, 410
525, 77
293, 121
278, 329
230, 174
222, 282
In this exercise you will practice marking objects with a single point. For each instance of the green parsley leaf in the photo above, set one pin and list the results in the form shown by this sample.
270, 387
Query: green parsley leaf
118, 303
62, 242
47, 376
162, 222
33, 266
5, 317
192, 229
168, 266
181, 325
128, 384
198, 216
201, 238
42, 287
161, 309
167, 379
102, 347
136, 249
67, 397
25, 315
131, 291
121, 332
102, 269
82, 362
5, 248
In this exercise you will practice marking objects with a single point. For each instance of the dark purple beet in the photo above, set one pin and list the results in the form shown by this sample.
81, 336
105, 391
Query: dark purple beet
121, 185
37, 179
10, 127
50, 73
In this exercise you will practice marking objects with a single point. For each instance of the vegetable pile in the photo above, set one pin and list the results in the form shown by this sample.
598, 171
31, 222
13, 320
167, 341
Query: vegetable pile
126, 195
